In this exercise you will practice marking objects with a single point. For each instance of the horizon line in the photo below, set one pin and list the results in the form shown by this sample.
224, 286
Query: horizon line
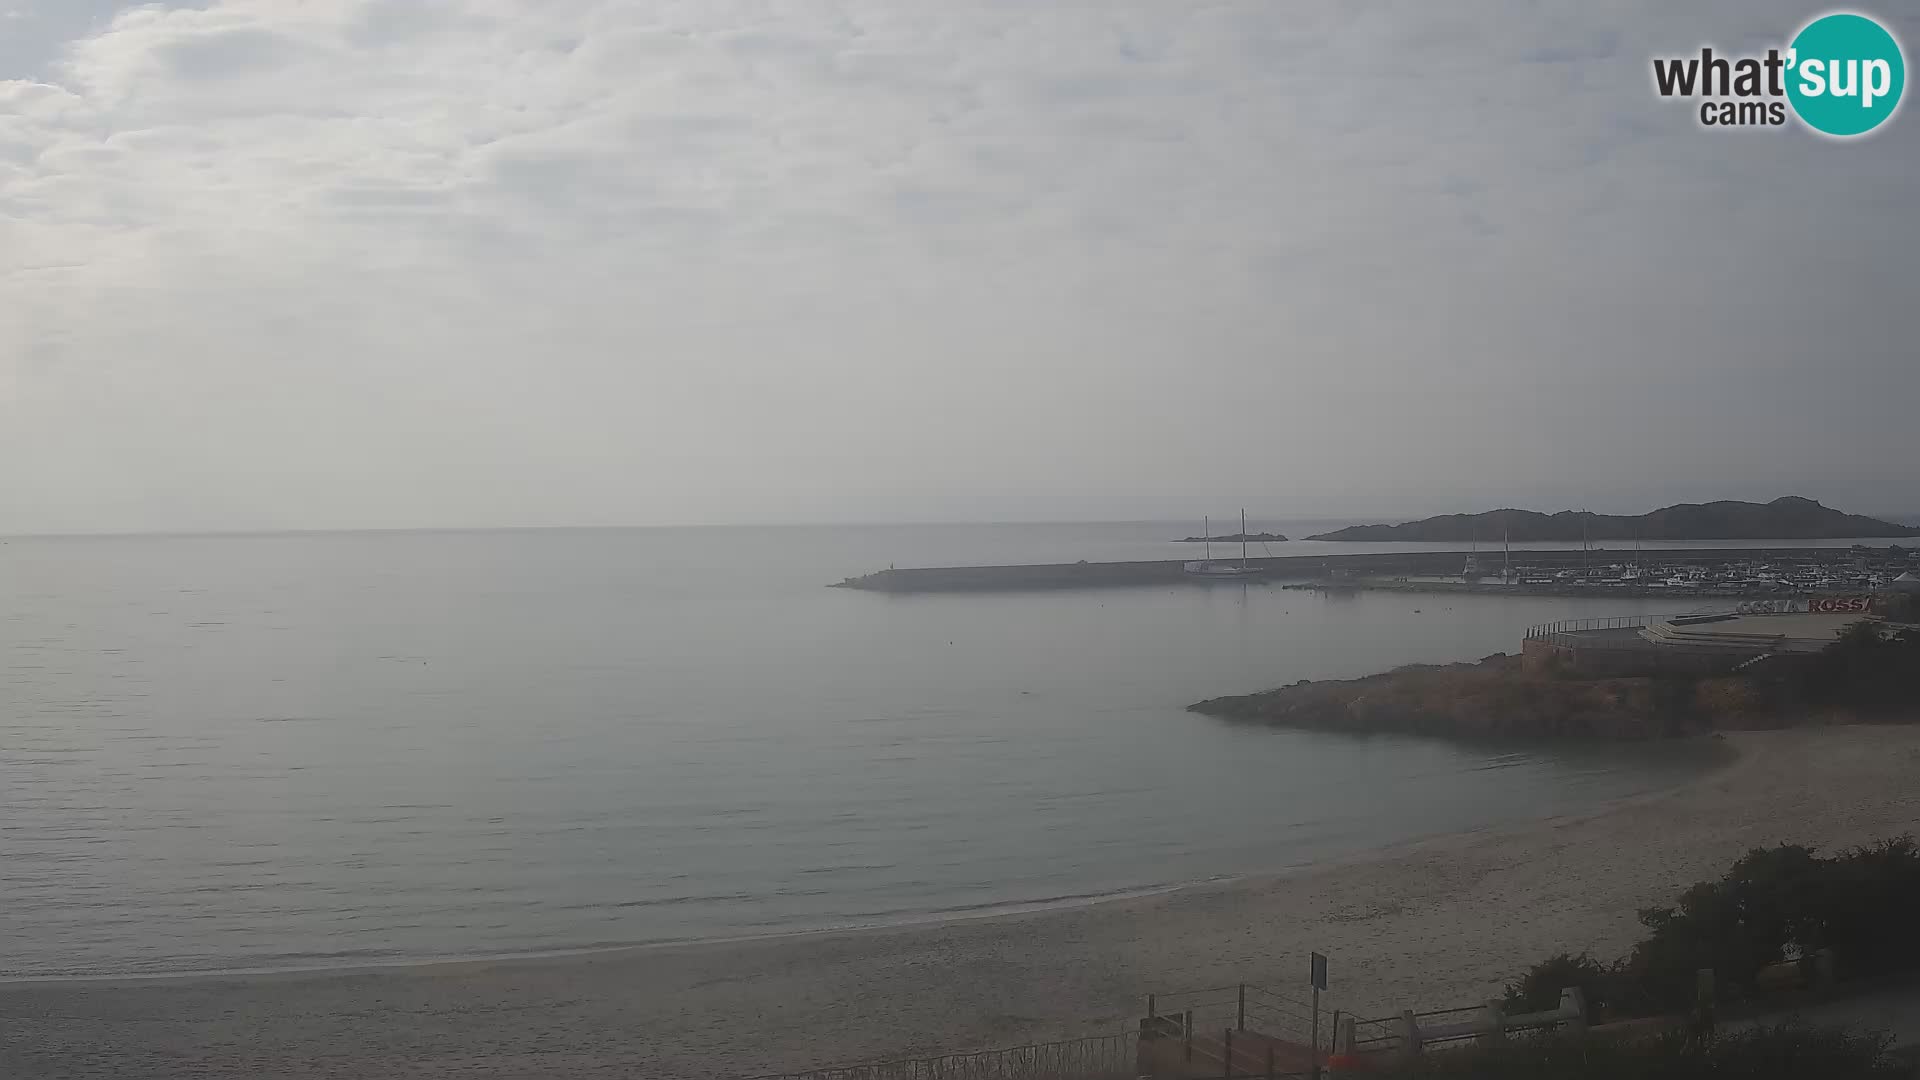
1894, 517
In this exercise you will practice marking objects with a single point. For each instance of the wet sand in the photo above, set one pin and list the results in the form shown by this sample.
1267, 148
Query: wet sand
1441, 922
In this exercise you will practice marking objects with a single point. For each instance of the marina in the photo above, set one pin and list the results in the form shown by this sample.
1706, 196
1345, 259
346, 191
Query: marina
1708, 572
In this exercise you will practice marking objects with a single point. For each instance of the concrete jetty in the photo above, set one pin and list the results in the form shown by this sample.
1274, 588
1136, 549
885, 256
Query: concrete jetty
1349, 568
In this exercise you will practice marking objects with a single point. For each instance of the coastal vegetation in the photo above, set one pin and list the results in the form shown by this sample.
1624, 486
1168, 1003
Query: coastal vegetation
1774, 905
1868, 673
1787, 518
1767, 1053
1491, 699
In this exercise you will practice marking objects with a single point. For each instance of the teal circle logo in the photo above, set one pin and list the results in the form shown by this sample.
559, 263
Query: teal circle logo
1845, 73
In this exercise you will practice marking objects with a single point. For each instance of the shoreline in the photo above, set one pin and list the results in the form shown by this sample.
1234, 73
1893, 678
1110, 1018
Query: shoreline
1729, 757
1011, 909
1425, 923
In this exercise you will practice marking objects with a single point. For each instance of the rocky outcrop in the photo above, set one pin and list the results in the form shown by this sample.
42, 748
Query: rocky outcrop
1235, 538
1496, 699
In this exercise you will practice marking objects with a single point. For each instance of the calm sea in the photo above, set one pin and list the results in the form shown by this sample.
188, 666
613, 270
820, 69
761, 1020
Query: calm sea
285, 751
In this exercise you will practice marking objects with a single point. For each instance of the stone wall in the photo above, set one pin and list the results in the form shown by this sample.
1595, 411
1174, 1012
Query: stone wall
1561, 653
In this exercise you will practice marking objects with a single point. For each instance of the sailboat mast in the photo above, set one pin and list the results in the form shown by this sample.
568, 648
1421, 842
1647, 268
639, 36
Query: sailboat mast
1206, 533
1243, 537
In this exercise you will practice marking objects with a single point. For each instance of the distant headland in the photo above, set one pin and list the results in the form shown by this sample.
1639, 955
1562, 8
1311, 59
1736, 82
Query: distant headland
1789, 518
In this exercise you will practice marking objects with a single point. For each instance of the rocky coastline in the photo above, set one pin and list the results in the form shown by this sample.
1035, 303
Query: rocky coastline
1496, 698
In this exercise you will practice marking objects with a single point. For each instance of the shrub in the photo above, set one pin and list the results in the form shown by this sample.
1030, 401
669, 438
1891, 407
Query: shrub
1729, 699
1866, 669
1539, 989
1766, 1053
1748, 919
1774, 904
1868, 902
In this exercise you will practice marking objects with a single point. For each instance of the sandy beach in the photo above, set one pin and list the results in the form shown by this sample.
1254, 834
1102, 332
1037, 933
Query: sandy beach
1440, 922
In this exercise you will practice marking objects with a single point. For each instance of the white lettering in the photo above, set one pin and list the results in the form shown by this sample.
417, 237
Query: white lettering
1851, 85
1813, 77
1873, 87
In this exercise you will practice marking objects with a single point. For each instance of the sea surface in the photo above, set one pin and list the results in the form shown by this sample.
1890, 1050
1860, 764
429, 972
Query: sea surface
301, 750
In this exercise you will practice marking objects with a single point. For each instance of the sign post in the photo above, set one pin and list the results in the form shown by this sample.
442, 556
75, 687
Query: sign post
1318, 976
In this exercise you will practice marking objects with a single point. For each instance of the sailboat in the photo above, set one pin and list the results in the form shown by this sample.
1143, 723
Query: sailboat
1207, 568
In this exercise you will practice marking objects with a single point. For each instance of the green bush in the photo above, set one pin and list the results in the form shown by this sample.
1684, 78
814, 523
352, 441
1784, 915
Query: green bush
1748, 919
1776, 1053
1866, 670
1869, 904
1774, 904
1539, 989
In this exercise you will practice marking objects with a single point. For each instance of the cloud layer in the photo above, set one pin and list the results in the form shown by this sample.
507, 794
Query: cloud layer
366, 262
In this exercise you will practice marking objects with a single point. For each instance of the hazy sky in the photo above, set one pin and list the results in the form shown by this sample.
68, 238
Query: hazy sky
310, 263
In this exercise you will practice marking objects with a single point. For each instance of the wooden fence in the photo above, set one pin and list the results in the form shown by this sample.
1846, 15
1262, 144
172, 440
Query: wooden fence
1099, 1057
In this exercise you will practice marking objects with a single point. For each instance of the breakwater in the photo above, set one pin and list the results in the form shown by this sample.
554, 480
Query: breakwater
1555, 588
1093, 575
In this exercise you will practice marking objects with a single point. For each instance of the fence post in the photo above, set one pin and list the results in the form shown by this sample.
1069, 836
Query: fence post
1703, 1002
1186, 1035
1409, 1034
1226, 1069
1240, 1017
1822, 970
1496, 1020
1313, 1037
1573, 1003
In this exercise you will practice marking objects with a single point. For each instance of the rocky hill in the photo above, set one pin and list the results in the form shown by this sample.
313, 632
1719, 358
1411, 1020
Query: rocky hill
1495, 699
1871, 673
1789, 518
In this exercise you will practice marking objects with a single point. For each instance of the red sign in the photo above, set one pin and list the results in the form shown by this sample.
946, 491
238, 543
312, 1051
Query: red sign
1840, 605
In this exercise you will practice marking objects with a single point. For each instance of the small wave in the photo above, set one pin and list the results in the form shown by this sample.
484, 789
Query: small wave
662, 901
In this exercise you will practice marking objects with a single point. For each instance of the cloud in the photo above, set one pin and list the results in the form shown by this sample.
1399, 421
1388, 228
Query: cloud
692, 256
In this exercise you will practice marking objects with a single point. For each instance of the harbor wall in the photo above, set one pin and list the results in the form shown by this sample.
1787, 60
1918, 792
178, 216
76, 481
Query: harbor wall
1086, 575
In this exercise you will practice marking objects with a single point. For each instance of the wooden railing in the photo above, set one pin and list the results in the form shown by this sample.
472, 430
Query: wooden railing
1099, 1057
1557, 633
1237, 1030
1412, 1033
